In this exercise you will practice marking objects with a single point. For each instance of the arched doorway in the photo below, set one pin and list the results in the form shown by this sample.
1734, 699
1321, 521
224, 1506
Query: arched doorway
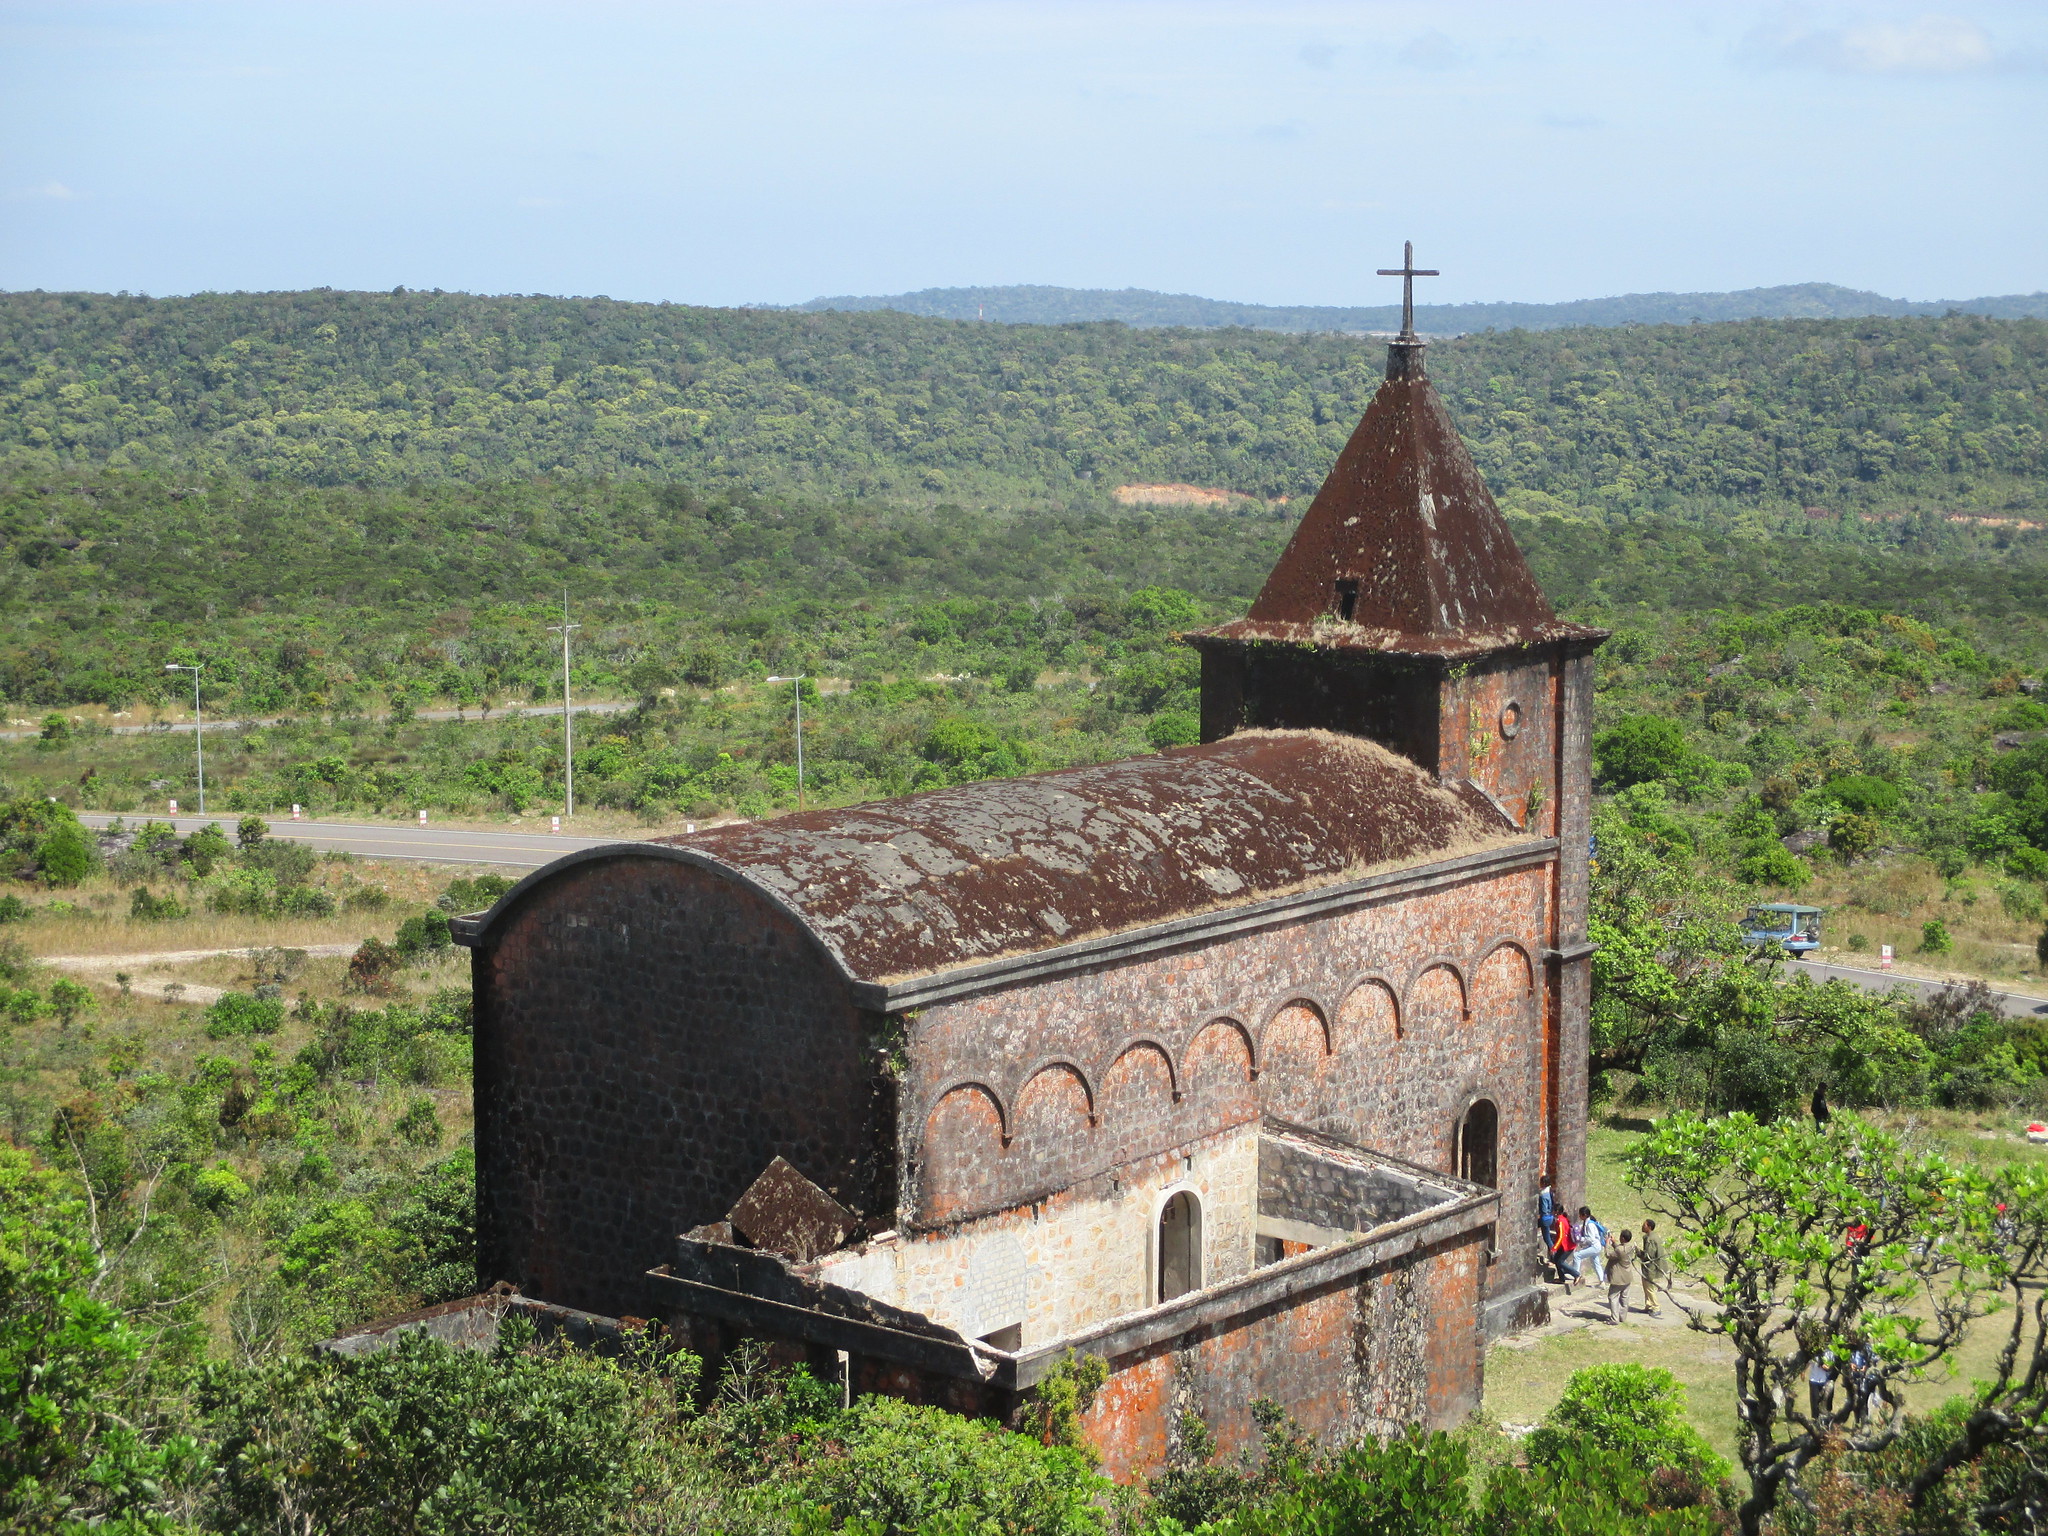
1180, 1246
1478, 1145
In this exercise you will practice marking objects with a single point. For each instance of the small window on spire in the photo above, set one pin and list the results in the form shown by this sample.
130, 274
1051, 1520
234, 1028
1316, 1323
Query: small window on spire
1347, 598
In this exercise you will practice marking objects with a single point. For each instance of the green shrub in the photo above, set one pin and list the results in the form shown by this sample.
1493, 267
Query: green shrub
1640, 749
1173, 728
436, 1226
13, 909
68, 999
67, 855
69, 1457
305, 901
1768, 863
419, 1126
1865, 794
219, 1187
1935, 938
1591, 1491
423, 935
440, 1060
238, 1013
1633, 1410
473, 893
206, 849
286, 862
1856, 836
145, 907
250, 831
422, 1437
2020, 901
897, 1467
1411, 1485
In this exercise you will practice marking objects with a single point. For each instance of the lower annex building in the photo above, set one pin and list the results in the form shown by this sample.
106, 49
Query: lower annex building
1236, 1065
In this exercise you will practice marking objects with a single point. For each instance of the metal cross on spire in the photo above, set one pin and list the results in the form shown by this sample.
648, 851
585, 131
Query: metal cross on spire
1408, 272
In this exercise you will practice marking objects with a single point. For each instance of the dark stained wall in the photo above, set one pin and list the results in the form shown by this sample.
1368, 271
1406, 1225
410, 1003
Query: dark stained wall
1388, 699
649, 1036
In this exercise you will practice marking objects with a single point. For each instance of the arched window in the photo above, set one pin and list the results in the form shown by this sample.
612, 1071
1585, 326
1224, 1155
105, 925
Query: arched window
1180, 1246
1478, 1145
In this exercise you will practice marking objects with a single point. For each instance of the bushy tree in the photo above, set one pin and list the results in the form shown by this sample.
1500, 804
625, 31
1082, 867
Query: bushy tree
422, 1437
889, 1466
1634, 1411
67, 854
71, 1452
1640, 749
1814, 1244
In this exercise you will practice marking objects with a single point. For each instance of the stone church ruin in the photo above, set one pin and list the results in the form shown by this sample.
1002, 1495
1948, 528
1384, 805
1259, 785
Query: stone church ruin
1236, 1065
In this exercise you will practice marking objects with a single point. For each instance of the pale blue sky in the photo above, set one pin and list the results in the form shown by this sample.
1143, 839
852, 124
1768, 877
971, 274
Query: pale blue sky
719, 153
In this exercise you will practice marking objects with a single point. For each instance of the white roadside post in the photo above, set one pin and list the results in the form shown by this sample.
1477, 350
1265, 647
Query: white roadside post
198, 728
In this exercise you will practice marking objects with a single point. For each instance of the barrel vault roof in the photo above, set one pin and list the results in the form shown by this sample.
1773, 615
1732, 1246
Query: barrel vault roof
984, 871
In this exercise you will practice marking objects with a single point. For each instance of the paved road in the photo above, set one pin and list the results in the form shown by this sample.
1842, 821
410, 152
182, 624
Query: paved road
534, 711
429, 844
2013, 1003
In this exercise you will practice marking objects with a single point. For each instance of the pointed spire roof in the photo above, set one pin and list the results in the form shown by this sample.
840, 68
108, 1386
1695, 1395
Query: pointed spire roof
1403, 548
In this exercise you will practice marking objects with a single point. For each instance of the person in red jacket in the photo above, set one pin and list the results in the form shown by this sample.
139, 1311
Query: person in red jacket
1563, 1243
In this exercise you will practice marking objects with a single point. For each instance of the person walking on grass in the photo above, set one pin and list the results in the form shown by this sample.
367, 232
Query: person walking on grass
1592, 1249
1820, 1385
1620, 1264
1653, 1267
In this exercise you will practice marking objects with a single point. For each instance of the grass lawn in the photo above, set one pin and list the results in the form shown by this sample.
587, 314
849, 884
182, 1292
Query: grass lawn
1525, 1376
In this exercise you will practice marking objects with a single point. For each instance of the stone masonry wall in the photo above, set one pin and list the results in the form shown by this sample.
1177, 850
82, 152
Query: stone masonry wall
1300, 1185
649, 1036
1076, 1258
1381, 1025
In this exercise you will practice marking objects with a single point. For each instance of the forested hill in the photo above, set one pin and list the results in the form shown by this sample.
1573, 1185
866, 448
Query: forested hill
1041, 304
1852, 416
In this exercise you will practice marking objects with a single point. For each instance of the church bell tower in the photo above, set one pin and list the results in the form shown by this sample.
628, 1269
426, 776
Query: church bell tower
1403, 611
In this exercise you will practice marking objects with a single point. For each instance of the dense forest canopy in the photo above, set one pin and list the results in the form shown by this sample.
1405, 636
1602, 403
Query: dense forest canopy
303, 596
1043, 304
1850, 416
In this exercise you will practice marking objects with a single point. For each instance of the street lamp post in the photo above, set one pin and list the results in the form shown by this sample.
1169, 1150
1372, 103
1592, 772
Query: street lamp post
799, 682
568, 739
198, 726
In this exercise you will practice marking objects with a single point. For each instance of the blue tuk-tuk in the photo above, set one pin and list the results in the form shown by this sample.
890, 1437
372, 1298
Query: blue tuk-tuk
1796, 929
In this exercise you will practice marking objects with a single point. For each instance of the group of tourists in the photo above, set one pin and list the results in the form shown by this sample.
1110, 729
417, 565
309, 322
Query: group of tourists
1583, 1251
1855, 1368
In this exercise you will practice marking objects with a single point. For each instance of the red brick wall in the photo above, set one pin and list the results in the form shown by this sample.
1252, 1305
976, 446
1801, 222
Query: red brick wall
1374, 1354
1481, 706
649, 1036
